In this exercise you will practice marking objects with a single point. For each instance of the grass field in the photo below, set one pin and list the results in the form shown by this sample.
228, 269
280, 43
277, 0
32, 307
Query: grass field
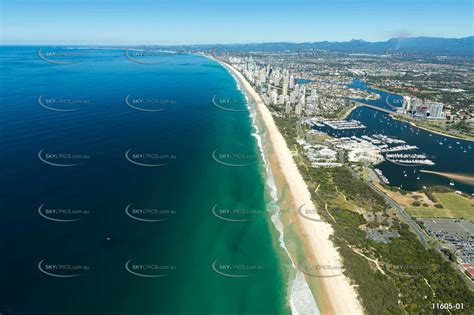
455, 207
341, 203
318, 138
429, 92
459, 206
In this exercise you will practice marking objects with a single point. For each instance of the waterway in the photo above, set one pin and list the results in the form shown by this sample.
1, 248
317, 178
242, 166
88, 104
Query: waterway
449, 155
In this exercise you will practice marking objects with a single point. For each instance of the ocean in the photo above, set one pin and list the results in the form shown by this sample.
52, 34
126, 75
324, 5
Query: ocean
132, 184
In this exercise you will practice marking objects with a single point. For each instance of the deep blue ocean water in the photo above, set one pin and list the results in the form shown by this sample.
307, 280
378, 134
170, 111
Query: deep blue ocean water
109, 183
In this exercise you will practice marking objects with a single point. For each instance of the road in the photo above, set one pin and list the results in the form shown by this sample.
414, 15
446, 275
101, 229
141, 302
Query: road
401, 212
424, 239
377, 108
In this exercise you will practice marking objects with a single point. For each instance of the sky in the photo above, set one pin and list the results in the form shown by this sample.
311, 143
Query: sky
228, 21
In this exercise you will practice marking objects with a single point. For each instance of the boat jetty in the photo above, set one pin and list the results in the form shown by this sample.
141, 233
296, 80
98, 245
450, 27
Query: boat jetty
399, 148
381, 176
408, 159
344, 124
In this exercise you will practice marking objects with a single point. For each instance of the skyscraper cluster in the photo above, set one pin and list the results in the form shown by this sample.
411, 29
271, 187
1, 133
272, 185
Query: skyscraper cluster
423, 108
279, 87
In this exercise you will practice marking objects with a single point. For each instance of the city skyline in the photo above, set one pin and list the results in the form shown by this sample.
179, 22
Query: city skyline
178, 156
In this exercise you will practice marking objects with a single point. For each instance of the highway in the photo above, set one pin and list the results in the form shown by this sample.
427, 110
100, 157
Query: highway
417, 229
401, 212
405, 216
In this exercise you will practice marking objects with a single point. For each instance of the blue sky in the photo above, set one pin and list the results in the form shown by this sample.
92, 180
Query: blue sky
228, 21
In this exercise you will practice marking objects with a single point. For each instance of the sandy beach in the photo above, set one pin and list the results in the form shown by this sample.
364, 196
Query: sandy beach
349, 111
464, 178
337, 295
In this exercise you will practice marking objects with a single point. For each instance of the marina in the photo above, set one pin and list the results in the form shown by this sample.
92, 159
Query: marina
343, 124
400, 148
411, 162
398, 137
381, 176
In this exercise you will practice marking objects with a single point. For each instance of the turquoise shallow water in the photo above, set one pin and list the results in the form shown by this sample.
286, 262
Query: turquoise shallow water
127, 191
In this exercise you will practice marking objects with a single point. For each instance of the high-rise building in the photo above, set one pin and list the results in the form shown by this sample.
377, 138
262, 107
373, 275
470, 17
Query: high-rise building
406, 103
288, 108
436, 110
417, 107
274, 97
276, 81
293, 96
296, 89
421, 111
281, 99
285, 86
312, 103
298, 109
292, 81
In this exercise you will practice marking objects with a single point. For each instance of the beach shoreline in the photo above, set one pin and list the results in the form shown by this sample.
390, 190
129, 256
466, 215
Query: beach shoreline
337, 295
349, 111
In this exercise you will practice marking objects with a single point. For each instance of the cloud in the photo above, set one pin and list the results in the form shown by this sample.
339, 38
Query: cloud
399, 33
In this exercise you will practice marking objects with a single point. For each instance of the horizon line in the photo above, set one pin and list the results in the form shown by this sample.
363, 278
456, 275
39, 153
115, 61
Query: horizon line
55, 43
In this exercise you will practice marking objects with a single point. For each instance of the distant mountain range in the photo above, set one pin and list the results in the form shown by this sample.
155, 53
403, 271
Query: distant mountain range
423, 45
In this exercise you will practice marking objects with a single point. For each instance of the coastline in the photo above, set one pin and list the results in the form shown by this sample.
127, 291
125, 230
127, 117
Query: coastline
336, 294
430, 130
396, 117
350, 110
414, 124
